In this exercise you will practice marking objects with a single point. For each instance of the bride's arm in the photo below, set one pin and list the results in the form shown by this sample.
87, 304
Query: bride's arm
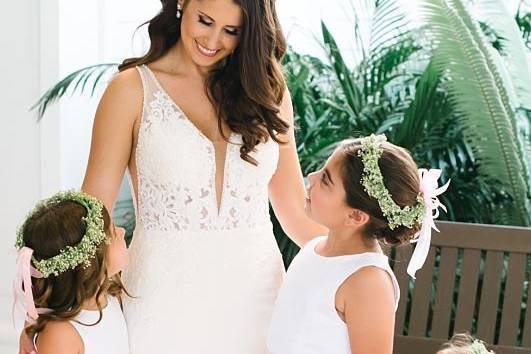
112, 136
286, 189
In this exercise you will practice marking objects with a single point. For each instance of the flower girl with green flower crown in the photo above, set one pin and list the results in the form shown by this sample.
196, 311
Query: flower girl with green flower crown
69, 257
340, 295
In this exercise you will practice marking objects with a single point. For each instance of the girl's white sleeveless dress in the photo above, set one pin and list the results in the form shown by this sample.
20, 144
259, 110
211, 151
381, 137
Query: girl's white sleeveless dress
109, 336
305, 320
205, 280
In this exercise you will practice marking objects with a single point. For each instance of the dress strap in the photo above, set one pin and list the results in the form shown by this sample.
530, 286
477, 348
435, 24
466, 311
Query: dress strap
149, 85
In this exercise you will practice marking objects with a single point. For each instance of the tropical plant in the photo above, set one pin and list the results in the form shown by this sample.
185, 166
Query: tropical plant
479, 92
523, 19
76, 82
418, 106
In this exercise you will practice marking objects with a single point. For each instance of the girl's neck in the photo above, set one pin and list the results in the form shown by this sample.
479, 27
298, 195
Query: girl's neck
346, 242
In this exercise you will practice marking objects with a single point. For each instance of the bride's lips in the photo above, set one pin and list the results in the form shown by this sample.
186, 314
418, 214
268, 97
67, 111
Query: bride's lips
205, 51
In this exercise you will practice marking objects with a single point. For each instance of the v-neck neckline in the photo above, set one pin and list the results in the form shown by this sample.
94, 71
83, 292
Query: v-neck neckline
178, 107
217, 204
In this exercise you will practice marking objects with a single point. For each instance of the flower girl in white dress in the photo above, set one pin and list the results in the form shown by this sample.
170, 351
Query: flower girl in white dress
340, 295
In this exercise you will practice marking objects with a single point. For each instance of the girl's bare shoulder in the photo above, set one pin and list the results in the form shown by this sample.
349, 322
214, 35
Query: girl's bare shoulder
59, 337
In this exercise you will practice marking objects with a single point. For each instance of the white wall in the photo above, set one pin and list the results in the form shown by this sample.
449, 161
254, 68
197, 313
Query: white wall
104, 34
20, 162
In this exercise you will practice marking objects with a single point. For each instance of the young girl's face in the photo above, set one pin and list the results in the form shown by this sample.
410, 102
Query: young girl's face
116, 251
326, 196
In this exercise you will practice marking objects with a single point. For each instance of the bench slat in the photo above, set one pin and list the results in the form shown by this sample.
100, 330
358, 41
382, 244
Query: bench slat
467, 290
483, 237
526, 340
490, 295
421, 297
512, 299
445, 287
403, 254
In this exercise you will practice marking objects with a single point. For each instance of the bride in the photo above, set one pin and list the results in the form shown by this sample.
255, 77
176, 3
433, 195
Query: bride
204, 125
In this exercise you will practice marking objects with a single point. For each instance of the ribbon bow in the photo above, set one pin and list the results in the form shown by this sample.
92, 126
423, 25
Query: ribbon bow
24, 272
430, 190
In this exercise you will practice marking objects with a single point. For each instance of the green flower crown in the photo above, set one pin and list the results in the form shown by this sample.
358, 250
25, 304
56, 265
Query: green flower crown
479, 348
71, 256
373, 183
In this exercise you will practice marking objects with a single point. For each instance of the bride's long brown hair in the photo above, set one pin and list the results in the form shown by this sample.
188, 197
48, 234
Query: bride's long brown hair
247, 88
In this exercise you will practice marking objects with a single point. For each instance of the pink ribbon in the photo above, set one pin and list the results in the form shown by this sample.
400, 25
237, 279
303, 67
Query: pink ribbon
430, 190
23, 275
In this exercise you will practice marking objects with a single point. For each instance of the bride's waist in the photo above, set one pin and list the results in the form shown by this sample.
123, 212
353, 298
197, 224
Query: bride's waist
220, 231
258, 240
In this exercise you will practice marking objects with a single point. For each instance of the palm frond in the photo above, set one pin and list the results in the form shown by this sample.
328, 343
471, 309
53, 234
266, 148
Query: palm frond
523, 21
389, 24
505, 85
74, 82
516, 73
474, 92
426, 106
349, 87
383, 65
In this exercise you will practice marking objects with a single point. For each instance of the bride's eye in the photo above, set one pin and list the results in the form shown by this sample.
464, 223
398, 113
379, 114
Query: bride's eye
204, 21
232, 32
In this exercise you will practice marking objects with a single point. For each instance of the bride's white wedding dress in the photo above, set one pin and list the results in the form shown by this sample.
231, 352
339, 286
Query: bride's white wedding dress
204, 280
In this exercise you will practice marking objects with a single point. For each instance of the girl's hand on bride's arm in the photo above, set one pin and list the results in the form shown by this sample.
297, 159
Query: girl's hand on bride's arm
112, 136
286, 189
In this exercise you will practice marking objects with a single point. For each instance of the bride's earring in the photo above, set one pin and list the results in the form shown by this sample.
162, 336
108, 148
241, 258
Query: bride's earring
179, 10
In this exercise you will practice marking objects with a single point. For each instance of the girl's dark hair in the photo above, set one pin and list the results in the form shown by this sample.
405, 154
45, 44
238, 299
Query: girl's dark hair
50, 230
400, 174
247, 88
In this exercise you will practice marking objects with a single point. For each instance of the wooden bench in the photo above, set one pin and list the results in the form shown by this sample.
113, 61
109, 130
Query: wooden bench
475, 279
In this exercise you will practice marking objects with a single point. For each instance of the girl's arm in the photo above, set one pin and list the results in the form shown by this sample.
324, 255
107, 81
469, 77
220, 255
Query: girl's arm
112, 137
366, 299
59, 337
286, 189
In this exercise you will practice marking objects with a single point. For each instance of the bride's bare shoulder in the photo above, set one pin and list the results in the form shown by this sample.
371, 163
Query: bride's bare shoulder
126, 82
123, 96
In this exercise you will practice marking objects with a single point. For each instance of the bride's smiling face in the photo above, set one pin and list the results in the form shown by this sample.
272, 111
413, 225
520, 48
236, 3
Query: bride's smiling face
210, 29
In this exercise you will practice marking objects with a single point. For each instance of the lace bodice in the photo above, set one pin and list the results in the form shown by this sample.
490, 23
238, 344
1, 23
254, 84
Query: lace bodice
176, 172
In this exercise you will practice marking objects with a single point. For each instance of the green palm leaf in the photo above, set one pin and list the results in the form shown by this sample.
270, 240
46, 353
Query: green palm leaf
350, 89
514, 50
505, 81
474, 91
388, 24
524, 24
382, 65
74, 82
426, 106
